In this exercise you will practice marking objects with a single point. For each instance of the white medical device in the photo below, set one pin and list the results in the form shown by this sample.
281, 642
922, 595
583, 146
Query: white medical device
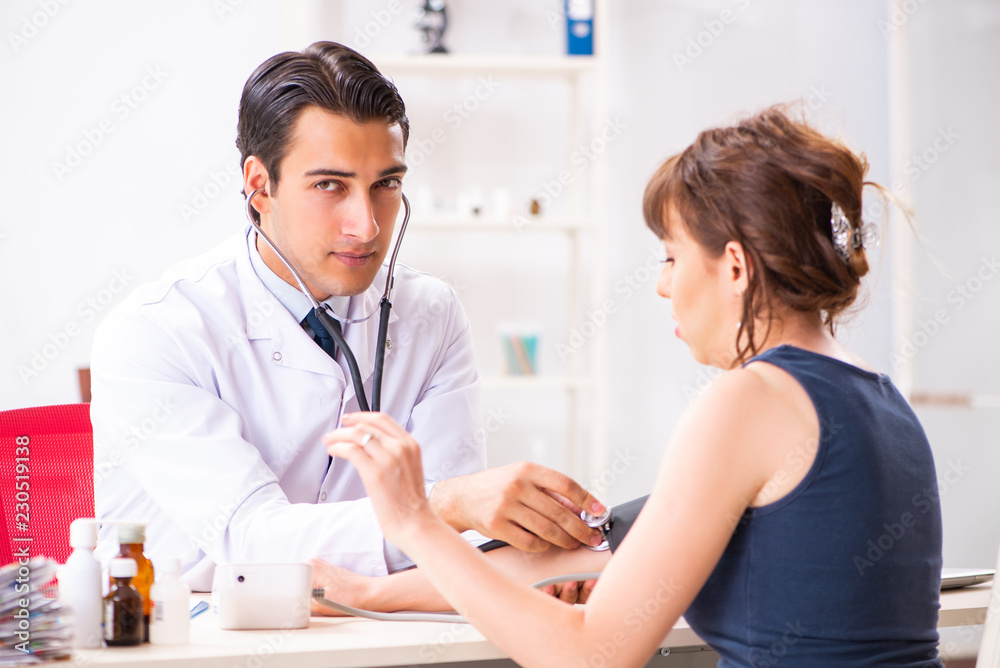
262, 596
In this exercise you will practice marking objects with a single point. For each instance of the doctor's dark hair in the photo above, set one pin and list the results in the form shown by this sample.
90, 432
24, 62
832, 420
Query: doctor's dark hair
327, 75
768, 183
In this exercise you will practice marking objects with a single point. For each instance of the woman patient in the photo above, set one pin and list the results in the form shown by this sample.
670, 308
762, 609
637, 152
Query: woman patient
774, 485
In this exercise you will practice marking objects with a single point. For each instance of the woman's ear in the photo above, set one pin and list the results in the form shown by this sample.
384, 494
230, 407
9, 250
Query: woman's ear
737, 266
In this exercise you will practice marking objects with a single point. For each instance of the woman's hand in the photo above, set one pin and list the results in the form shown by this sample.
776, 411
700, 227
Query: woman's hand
388, 460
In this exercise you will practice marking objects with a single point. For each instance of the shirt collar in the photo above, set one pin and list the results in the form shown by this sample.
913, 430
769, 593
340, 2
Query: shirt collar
289, 296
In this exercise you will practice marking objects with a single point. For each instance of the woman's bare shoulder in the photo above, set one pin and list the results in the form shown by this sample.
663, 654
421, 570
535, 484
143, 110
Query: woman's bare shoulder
750, 390
752, 416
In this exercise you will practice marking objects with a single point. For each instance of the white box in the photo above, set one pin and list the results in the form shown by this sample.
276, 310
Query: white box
262, 596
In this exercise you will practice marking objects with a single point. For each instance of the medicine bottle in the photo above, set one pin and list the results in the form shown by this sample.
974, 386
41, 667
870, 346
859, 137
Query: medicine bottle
80, 584
131, 537
170, 621
123, 606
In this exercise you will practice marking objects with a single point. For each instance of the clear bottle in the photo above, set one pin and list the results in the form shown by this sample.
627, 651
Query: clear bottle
123, 606
131, 537
80, 584
170, 621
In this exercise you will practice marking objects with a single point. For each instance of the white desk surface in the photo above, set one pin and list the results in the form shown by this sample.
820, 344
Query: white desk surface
331, 642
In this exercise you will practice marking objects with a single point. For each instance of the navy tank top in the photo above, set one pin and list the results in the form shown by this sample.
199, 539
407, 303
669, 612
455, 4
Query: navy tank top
845, 570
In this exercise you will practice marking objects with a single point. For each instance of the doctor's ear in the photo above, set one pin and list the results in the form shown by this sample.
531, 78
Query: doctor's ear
255, 177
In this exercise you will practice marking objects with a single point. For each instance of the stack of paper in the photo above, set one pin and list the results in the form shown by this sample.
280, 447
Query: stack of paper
31, 629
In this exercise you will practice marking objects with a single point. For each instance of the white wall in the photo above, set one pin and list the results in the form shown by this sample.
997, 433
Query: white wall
73, 239
955, 165
772, 52
122, 209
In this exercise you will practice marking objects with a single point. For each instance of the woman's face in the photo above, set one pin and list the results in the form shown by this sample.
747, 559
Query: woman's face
706, 297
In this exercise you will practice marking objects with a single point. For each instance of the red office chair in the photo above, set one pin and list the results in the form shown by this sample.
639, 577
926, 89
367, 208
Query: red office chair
46, 478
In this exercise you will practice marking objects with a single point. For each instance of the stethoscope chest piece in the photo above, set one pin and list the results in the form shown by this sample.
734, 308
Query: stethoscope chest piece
601, 522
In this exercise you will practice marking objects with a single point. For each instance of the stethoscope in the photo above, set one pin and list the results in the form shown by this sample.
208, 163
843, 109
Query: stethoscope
323, 312
327, 316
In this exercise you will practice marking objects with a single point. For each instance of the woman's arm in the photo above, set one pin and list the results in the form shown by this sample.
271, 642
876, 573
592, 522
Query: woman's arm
712, 468
411, 590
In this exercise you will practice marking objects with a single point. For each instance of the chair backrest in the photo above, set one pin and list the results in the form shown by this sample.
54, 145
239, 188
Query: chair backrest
46, 478
84, 377
989, 650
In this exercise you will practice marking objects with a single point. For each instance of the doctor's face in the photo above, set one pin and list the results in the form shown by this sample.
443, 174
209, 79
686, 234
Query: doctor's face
335, 207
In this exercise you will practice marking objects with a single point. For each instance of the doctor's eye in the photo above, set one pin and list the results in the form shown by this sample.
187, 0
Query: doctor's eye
328, 186
391, 183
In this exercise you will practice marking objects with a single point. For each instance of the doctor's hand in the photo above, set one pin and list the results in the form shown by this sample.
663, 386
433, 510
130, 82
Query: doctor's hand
526, 505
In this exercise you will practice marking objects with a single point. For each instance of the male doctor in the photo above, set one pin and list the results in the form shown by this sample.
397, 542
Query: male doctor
211, 390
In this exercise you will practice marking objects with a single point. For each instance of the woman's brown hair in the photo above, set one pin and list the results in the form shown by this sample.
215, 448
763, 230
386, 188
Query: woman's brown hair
769, 183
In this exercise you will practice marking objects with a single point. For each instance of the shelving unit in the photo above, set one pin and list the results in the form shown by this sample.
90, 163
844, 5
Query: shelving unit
542, 382
456, 64
466, 224
584, 226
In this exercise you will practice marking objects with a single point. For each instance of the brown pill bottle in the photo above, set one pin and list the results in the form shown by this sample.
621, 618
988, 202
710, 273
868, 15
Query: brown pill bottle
131, 538
123, 606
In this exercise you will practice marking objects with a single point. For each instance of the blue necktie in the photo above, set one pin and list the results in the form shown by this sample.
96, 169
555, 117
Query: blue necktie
321, 336
326, 342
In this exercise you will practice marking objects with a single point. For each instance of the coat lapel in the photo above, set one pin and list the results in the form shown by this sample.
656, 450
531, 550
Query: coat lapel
267, 319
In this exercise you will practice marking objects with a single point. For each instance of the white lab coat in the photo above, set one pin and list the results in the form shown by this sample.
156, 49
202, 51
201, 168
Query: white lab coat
209, 402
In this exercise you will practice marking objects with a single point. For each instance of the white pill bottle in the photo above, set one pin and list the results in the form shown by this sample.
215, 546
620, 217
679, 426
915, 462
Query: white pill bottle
170, 618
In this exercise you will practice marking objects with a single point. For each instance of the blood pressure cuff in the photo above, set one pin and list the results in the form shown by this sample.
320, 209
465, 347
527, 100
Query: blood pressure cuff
622, 519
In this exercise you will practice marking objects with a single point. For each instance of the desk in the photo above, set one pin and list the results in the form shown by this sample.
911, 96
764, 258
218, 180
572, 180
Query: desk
341, 642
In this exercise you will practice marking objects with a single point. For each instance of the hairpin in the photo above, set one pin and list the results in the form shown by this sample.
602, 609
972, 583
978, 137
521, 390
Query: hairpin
846, 239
